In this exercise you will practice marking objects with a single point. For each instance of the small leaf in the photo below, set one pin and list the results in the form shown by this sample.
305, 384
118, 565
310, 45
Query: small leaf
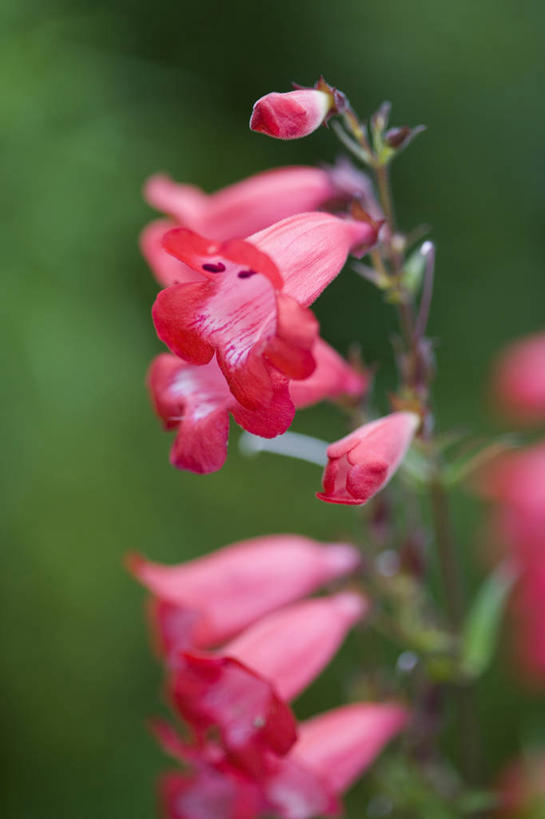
481, 628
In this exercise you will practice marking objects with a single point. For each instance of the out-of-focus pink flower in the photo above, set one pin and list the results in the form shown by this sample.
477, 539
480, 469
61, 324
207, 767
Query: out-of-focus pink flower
528, 611
519, 380
360, 464
233, 212
242, 693
292, 114
206, 601
517, 479
521, 788
331, 752
251, 315
515, 482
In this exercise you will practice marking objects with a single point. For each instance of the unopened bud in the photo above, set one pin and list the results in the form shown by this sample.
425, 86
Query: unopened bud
293, 114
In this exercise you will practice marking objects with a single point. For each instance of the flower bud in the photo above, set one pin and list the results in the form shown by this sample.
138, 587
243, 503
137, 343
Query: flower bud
360, 464
291, 115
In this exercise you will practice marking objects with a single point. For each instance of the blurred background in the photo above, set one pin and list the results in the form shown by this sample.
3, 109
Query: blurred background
94, 97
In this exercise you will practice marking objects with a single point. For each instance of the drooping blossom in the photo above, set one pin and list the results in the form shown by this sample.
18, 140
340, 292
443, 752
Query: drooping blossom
209, 600
242, 693
521, 788
519, 380
331, 752
233, 212
196, 401
293, 114
363, 462
250, 309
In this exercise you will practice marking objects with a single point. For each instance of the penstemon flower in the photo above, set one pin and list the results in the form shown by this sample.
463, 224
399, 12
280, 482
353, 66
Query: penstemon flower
206, 601
242, 693
236, 632
251, 309
235, 211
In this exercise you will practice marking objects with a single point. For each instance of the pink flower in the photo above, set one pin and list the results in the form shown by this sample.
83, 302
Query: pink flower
196, 401
206, 601
331, 752
233, 212
519, 379
242, 693
291, 115
251, 315
363, 462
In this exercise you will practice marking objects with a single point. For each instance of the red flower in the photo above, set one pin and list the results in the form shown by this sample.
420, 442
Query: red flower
206, 601
242, 694
363, 462
291, 115
196, 401
250, 315
519, 379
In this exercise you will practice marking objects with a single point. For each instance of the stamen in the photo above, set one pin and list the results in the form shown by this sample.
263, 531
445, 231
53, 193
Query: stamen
214, 268
245, 274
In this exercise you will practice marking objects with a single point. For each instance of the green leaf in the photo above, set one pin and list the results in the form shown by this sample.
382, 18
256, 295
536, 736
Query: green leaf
482, 624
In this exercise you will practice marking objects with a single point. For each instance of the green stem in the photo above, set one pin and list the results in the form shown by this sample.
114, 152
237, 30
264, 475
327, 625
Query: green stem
383, 183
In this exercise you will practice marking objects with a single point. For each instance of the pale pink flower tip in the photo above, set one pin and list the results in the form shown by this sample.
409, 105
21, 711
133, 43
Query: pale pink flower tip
363, 462
291, 115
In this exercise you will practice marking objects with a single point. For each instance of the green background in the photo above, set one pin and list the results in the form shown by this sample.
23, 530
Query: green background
94, 97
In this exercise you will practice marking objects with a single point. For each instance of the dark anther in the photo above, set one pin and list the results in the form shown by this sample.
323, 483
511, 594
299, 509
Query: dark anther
214, 268
245, 274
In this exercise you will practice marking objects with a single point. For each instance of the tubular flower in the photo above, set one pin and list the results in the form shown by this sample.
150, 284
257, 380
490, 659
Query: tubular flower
331, 752
519, 380
196, 401
250, 315
292, 114
232, 212
206, 601
242, 693
528, 609
363, 462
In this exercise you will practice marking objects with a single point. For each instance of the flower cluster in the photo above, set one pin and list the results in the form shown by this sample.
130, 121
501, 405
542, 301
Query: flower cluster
239, 645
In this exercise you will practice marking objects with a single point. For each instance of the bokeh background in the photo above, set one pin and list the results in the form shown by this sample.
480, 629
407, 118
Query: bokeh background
94, 97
